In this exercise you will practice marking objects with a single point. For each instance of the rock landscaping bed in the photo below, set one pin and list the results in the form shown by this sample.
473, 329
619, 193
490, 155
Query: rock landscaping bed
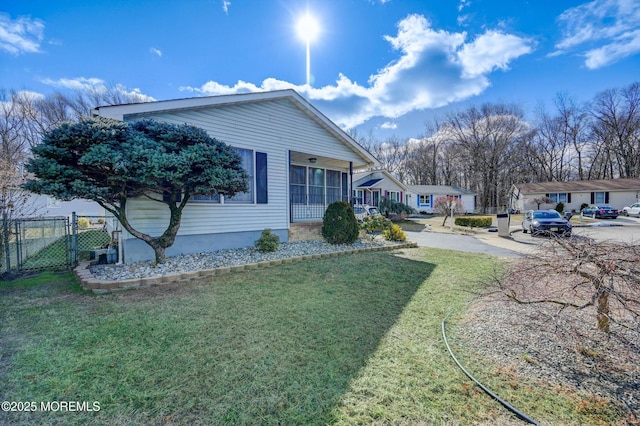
105, 278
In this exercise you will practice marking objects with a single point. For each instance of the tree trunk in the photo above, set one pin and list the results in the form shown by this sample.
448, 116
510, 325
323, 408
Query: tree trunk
158, 250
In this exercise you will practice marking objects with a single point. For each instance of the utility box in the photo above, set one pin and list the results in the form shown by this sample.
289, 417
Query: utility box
503, 224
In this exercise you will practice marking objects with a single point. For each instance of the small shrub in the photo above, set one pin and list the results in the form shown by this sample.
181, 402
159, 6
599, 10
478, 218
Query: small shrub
560, 207
474, 221
268, 241
101, 220
83, 223
339, 224
394, 233
373, 224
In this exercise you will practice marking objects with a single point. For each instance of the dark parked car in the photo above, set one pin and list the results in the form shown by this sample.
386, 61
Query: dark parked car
600, 211
543, 221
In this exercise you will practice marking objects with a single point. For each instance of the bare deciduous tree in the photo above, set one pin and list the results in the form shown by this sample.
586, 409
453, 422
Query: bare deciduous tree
448, 206
579, 273
617, 128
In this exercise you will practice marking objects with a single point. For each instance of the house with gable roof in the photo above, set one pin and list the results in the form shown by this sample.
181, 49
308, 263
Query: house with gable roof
298, 162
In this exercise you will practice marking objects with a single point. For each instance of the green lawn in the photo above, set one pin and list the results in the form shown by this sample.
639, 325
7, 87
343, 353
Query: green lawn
347, 340
56, 254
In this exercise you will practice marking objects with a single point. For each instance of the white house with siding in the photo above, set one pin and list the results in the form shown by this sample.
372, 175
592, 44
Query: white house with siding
369, 187
298, 161
574, 194
422, 197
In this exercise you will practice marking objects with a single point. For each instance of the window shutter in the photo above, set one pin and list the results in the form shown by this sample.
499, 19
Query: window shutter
345, 187
261, 178
568, 197
593, 197
606, 197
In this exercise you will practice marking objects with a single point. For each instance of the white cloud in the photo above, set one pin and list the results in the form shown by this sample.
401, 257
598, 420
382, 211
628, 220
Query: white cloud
603, 31
225, 6
433, 69
389, 125
492, 50
22, 35
99, 86
155, 51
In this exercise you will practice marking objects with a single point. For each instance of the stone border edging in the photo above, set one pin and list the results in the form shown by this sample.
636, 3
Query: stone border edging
90, 283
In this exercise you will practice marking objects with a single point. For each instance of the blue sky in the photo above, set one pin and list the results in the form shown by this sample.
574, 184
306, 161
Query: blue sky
379, 66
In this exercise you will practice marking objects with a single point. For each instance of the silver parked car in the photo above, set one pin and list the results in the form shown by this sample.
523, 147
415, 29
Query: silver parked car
545, 221
361, 211
632, 210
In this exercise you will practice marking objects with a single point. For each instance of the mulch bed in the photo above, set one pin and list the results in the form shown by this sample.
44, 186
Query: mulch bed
556, 348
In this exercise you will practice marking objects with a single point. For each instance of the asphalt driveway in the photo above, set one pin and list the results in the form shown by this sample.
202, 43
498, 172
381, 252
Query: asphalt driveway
461, 243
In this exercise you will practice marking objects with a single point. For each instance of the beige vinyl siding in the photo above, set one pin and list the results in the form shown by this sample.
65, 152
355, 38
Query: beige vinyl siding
273, 127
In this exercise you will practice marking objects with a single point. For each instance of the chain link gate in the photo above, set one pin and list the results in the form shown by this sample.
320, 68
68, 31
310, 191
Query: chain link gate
35, 244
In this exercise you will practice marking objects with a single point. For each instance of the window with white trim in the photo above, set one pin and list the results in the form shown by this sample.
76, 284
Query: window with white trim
255, 165
559, 197
246, 155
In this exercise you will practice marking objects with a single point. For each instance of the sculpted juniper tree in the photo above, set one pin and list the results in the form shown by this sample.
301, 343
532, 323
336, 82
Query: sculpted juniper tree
579, 273
112, 162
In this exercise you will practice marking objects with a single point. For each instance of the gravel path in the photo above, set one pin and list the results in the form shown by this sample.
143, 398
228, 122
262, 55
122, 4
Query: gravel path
222, 258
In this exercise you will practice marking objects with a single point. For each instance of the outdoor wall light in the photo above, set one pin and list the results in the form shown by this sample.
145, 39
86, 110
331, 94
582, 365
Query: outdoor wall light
313, 160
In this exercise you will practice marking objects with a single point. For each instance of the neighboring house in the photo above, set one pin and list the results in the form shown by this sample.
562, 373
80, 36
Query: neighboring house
47, 206
422, 197
297, 159
616, 192
36, 205
369, 188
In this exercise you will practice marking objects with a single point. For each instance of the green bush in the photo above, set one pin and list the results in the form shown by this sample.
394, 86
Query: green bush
394, 233
560, 207
83, 223
474, 221
376, 223
268, 241
387, 206
339, 225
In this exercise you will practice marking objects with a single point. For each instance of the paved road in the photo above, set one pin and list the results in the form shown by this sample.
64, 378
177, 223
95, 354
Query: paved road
623, 229
458, 242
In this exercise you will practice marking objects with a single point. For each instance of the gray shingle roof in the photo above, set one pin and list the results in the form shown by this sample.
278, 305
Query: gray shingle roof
580, 186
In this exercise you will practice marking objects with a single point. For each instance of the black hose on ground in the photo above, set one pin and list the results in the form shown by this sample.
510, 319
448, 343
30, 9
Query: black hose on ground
508, 406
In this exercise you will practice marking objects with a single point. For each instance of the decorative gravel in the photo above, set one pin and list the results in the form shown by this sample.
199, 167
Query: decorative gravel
561, 348
223, 258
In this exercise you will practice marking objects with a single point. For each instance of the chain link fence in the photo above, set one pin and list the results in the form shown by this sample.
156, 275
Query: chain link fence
54, 243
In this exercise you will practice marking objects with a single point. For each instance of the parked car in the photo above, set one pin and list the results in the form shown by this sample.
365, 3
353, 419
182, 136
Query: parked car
632, 210
600, 211
545, 221
362, 211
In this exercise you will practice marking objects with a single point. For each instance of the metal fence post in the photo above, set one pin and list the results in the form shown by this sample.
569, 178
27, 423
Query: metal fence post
18, 247
5, 239
74, 239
